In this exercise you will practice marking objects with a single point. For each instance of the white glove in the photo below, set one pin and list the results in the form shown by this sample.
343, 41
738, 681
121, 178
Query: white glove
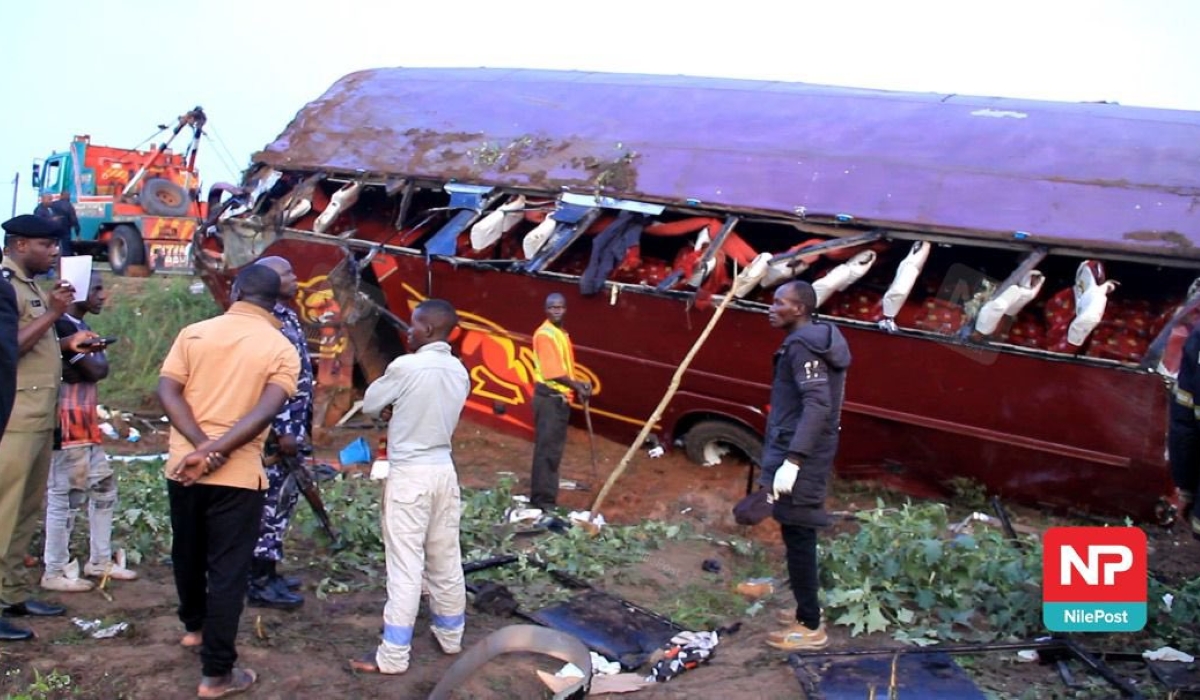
785, 478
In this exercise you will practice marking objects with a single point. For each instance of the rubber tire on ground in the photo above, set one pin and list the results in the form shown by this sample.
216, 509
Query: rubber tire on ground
161, 197
707, 432
125, 248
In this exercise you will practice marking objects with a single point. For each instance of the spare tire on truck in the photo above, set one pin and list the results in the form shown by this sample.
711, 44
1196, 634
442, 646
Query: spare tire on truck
125, 248
164, 198
710, 440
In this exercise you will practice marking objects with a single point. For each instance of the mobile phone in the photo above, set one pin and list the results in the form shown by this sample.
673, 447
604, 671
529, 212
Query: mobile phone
97, 342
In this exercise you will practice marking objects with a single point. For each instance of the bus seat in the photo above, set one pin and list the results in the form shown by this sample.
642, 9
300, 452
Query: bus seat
1010, 302
906, 276
1117, 344
940, 316
858, 304
844, 275
1090, 308
1026, 331
490, 228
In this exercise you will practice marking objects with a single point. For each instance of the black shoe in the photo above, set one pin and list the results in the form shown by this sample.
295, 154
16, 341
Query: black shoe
35, 608
272, 593
11, 633
293, 583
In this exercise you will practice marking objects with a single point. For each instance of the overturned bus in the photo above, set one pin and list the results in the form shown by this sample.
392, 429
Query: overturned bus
1013, 277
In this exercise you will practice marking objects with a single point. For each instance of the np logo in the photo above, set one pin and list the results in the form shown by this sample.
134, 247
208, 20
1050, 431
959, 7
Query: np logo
1094, 579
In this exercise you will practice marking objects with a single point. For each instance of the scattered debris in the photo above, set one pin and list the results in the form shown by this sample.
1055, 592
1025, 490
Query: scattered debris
96, 629
357, 452
755, 588
1168, 654
685, 651
521, 638
611, 626
880, 674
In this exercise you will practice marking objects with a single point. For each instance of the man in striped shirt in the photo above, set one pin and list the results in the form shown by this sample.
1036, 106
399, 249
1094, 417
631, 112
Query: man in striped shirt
80, 474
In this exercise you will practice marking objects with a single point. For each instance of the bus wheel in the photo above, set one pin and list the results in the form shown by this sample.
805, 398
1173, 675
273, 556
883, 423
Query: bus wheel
708, 442
125, 248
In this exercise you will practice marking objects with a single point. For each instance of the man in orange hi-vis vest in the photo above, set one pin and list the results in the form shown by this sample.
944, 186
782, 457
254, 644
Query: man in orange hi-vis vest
555, 384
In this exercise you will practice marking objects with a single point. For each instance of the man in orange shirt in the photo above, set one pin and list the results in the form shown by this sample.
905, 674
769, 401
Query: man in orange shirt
222, 384
555, 383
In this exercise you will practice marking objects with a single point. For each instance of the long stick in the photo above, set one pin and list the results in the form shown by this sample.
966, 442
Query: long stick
662, 405
587, 415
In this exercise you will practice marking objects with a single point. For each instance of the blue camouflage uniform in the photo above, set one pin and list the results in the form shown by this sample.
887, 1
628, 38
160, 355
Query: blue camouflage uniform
293, 419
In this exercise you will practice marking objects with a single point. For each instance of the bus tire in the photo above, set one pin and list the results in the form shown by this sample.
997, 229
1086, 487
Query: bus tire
164, 198
125, 248
710, 440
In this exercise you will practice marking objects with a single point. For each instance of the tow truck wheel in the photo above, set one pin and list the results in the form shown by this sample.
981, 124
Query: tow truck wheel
164, 198
125, 248
708, 442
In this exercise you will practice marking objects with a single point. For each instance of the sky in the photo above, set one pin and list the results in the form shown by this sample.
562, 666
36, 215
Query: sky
115, 69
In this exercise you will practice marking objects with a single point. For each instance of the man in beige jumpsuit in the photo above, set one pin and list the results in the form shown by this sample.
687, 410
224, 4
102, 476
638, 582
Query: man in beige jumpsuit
31, 248
423, 393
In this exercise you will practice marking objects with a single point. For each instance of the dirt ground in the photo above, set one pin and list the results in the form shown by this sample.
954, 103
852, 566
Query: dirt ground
303, 654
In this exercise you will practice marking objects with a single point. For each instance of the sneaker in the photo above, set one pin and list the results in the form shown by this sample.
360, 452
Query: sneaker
65, 584
798, 638
115, 569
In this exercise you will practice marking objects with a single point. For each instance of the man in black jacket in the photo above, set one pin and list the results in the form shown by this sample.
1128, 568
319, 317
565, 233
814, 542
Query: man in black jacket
801, 441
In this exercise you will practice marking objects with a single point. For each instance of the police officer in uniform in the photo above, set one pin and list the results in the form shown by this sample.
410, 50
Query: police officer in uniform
31, 248
8, 350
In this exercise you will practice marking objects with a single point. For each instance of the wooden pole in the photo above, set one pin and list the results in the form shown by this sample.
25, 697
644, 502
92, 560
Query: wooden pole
662, 405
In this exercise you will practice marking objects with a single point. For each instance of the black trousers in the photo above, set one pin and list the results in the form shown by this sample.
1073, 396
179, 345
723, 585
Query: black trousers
551, 414
1183, 452
214, 530
801, 544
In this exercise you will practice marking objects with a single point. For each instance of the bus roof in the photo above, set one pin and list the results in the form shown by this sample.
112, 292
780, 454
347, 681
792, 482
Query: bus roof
1091, 175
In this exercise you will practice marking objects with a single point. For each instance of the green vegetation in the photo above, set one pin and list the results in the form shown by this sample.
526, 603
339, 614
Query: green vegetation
42, 687
146, 314
903, 571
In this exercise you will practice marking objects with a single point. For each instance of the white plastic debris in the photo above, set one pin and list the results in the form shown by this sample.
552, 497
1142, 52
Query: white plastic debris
1168, 600
134, 435
380, 469
96, 629
1027, 656
656, 452
1168, 654
569, 671
585, 516
102, 412
521, 515
196, 287
109, 431
601, 666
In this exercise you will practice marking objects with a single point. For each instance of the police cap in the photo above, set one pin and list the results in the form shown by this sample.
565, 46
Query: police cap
30, 226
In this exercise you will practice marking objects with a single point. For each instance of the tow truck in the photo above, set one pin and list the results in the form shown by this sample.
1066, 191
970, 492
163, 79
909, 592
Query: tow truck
137, 209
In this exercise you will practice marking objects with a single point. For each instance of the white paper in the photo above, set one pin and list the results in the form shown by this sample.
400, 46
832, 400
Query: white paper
77, 270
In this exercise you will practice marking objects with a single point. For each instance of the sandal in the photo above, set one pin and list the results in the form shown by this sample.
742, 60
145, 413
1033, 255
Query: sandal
239, 680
